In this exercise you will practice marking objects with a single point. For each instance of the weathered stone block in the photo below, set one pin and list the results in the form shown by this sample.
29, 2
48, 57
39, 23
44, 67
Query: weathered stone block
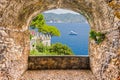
58, 62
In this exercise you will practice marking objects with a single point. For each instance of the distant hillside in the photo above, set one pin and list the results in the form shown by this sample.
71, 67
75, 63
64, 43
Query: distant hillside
64, 18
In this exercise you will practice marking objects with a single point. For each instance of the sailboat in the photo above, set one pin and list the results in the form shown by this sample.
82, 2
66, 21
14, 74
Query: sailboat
72, 33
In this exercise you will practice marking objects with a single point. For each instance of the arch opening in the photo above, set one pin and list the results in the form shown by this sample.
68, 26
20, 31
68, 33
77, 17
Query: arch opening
58, 37
70, 37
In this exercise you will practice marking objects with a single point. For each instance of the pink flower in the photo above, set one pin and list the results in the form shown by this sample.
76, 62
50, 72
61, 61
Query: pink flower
32, 32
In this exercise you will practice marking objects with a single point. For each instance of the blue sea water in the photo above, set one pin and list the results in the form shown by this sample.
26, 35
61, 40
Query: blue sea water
78, 43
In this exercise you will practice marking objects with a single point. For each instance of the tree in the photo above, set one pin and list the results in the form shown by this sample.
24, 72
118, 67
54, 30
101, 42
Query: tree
39, 23
50, 30
61, 49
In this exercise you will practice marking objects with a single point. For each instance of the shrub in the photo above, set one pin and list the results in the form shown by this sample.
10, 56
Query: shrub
60, 49
55, 49
93, 35
97, 37
40, 47
34, 52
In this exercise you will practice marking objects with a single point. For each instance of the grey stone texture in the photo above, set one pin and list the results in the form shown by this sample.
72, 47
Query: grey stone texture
16, 15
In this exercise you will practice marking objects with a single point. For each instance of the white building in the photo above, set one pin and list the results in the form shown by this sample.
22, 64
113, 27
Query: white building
37, 38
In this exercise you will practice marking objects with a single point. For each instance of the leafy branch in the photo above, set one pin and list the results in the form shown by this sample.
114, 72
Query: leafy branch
98, 37
39, 23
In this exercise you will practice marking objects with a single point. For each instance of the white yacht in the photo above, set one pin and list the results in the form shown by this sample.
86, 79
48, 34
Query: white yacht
72, 33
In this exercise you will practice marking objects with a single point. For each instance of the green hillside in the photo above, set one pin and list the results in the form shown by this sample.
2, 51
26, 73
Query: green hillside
64, 18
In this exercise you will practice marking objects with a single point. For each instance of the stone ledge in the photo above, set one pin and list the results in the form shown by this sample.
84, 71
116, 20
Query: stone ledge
58, 62
58, 75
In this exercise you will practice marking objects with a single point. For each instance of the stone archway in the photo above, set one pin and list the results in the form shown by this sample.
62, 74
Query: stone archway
15, 17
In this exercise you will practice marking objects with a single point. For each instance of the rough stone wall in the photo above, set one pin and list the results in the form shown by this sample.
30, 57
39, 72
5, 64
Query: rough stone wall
105, 58
58, 62
13, 53
15, 16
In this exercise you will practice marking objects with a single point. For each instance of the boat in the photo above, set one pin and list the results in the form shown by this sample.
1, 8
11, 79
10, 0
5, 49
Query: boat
72, 33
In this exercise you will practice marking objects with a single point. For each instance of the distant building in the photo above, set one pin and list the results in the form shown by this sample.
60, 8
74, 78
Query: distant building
38, 37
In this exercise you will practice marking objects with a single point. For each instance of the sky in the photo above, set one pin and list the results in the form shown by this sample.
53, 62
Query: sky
60, 11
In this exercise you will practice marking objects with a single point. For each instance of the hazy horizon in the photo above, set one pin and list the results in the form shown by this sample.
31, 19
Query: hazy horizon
60, 11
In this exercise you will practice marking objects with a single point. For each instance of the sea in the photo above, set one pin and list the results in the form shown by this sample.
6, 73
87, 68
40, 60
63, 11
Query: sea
78, 43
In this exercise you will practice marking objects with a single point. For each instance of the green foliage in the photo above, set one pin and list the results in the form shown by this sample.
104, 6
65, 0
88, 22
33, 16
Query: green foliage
61, 49
55, 49
40, 47
93, 35
51, 30
31, 36
39, 23
34, 52
97, 37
